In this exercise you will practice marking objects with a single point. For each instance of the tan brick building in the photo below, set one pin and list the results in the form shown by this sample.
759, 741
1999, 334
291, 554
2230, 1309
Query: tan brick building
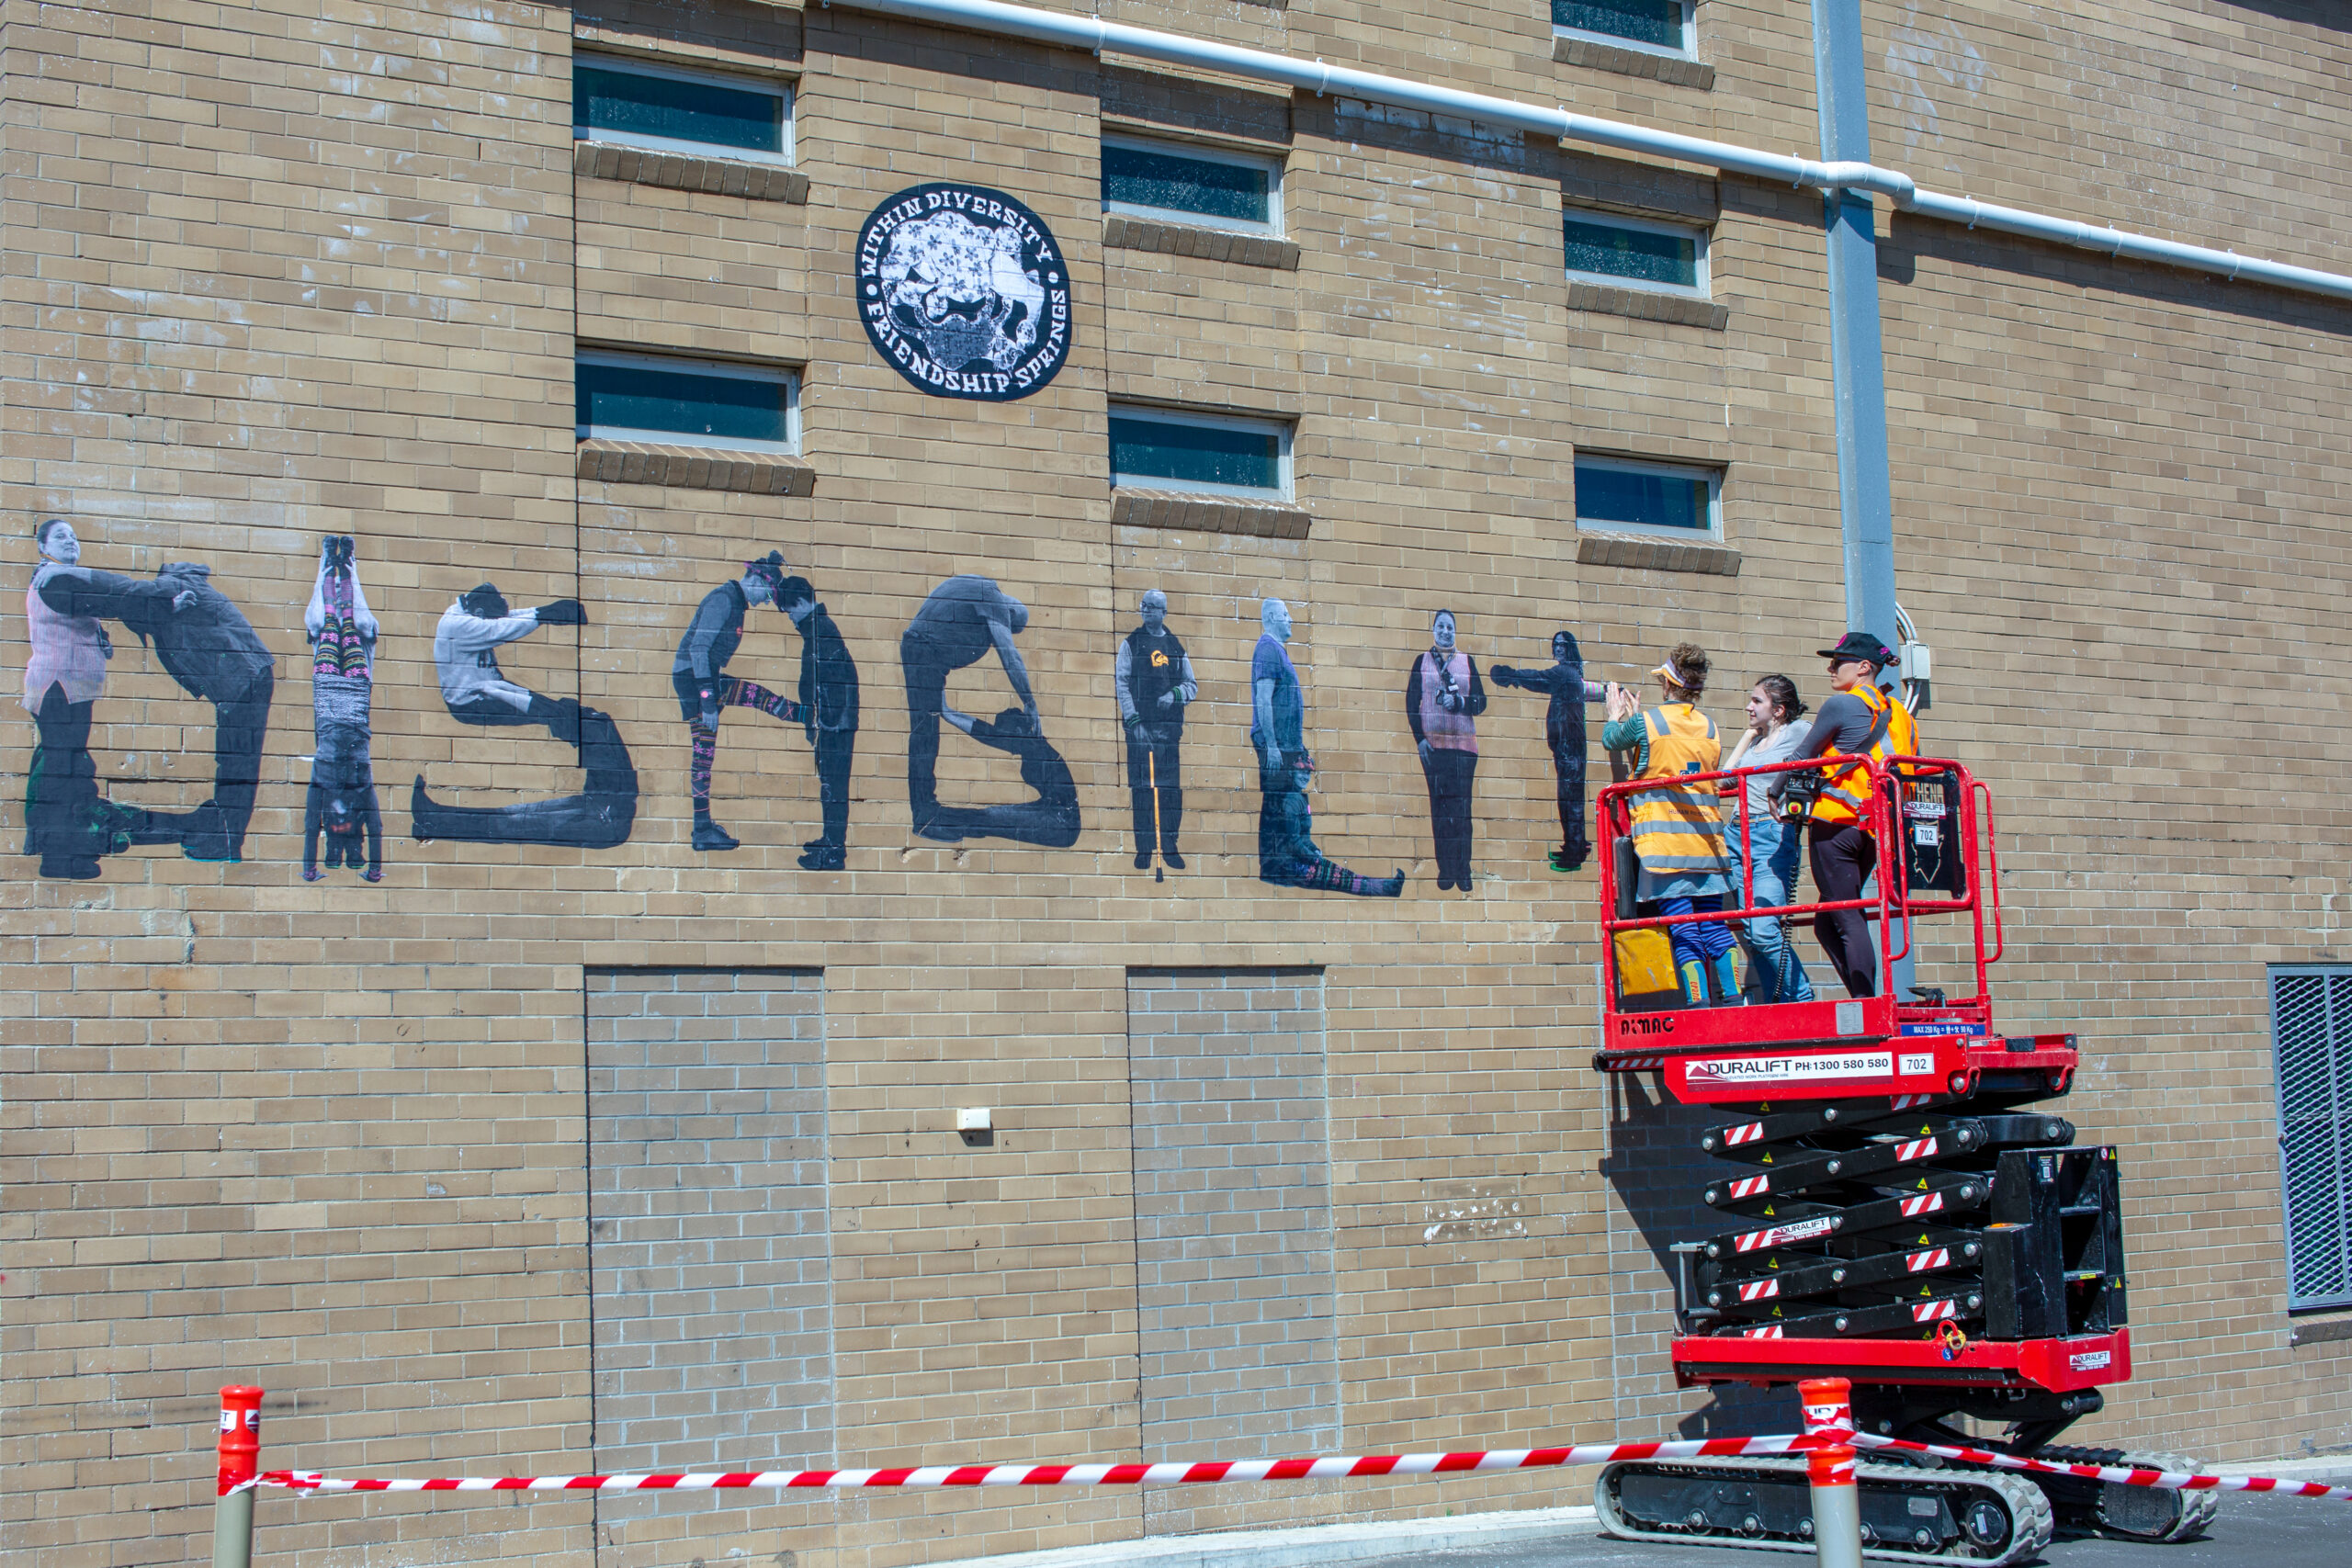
538, 1159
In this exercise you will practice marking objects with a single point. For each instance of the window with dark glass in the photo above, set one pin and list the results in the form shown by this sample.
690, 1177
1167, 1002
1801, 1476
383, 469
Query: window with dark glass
1602, 248
1195, 184
642, 105
2310, 1021
1153, 450
1653, 24
1618, 494
685, 402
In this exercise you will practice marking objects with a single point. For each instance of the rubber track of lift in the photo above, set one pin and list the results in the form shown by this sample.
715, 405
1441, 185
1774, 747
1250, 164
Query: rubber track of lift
2197, 1508
2033, 1523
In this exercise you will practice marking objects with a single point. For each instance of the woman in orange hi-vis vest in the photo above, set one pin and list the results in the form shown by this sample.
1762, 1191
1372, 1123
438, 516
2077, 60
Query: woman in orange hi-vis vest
1860, 720
1678, 833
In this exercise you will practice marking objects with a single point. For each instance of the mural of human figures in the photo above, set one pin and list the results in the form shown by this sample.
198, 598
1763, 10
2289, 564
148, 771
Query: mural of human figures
66, 823
1564, 733
465, 655
1287, 855
603, 814
1443, 698
1049, 820
341, 803
205, 644
1154, 683
961, 620
828, 715
705, 690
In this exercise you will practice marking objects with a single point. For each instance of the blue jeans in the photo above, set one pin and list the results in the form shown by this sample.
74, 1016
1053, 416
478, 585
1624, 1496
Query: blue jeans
1776, 970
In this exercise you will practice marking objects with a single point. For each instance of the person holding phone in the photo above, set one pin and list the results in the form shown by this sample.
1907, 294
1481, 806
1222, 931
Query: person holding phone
1775, 729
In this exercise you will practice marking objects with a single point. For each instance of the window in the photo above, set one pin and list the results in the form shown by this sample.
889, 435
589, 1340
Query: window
658, 107
2310, 1021
1193, 185
1631, 252
1647, 497
1208, 453
686, 402
1655, 27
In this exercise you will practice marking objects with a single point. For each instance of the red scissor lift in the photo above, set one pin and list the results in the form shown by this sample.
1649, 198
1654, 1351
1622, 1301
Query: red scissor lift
1892, 1209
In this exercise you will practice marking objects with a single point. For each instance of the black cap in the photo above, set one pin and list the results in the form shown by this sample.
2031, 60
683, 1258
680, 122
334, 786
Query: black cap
1860, 645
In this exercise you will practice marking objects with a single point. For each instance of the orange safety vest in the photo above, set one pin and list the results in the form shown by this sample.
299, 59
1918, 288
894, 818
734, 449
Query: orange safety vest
1676, 828
1845, 792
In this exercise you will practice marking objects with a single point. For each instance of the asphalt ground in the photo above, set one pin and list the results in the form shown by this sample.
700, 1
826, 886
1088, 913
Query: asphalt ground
2250, 1531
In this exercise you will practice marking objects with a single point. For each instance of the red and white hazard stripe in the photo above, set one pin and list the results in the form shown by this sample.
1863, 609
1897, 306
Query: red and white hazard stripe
1062, 1475
1929, 1312
1925, 1203
1770, 1331
1910, 1101
2170, 1479
1635, 1064
1918, 1148
1750, 1187
1933, 1257
1759, 1290
1746, 1132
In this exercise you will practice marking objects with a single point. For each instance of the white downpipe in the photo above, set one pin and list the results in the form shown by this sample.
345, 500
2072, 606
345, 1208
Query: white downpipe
1097, 36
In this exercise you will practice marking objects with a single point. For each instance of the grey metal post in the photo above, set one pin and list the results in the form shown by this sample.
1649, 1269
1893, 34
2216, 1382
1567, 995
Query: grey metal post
232, 1530
1865, 506
1857, 355
1837, 1507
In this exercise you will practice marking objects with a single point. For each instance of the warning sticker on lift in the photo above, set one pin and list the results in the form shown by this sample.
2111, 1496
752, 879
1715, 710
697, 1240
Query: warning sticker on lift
1783, 1236
1944, 1026
1703, 1071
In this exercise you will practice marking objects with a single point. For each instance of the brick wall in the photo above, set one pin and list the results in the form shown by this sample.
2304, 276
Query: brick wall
1236, 1289
708, 1248
273, 272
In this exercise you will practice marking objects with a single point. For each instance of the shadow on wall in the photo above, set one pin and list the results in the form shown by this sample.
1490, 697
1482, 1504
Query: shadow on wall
1909, 238
1655, 1164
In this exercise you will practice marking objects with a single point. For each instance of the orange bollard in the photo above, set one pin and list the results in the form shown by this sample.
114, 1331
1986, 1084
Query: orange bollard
1828, 1407
233, 1504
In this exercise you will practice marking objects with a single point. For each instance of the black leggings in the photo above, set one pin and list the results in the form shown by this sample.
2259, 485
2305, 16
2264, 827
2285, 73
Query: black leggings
1843, 857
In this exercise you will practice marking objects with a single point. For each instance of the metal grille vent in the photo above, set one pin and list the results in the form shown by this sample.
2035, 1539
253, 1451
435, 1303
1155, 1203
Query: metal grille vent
2312, 1022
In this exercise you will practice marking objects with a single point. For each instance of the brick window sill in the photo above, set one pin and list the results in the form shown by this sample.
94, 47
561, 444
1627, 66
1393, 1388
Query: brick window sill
682, 171
1642, 305
2319, 1331
1594, 56
1643, 551
1207, 514
1123, 231
694, 468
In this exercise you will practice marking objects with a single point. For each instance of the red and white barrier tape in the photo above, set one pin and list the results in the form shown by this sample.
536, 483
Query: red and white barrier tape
1195, 1473
1064, 1474
2171, 1480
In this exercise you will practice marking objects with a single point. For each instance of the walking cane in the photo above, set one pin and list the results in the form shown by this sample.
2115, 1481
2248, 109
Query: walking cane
1151, 765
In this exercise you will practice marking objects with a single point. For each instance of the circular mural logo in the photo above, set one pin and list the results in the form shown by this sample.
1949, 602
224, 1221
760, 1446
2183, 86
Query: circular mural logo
965, 290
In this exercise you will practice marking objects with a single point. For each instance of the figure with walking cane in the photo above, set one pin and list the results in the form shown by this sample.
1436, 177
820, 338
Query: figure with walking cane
1154, 683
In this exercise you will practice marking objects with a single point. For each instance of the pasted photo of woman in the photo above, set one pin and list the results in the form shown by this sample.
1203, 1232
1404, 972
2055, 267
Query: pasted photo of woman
63, 677
1443, 698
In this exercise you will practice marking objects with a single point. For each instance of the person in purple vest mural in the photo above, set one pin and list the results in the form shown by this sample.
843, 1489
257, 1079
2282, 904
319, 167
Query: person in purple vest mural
1443, 699
66, 822
204, 642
